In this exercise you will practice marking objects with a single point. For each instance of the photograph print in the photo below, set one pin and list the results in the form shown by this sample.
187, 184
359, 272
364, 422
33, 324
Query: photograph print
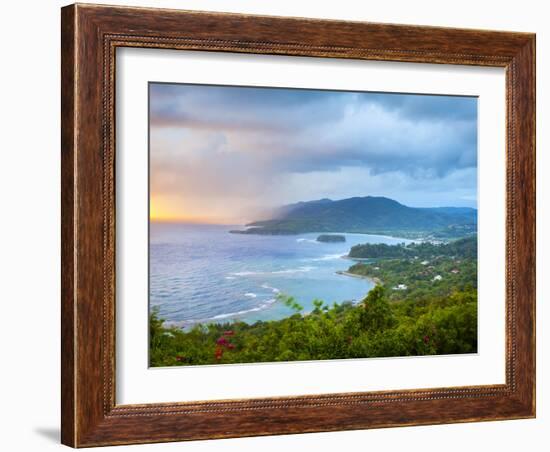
302, 224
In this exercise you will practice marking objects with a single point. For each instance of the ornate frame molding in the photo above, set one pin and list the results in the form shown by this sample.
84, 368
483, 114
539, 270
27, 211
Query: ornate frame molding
90, 37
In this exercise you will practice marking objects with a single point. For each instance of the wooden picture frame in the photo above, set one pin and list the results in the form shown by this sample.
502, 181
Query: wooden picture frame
90, 36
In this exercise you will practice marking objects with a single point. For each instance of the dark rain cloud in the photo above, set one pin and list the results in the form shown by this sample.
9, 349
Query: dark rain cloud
200, 129
313, 129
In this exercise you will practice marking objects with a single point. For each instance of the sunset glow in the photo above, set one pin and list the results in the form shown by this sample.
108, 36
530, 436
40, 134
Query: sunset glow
161, 211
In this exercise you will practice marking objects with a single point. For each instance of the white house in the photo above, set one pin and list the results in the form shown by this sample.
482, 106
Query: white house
400, 287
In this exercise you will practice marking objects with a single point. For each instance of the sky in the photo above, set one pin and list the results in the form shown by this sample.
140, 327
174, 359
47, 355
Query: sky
229, 155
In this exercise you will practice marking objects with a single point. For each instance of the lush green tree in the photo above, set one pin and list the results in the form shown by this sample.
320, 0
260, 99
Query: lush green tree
376, 327
376, 314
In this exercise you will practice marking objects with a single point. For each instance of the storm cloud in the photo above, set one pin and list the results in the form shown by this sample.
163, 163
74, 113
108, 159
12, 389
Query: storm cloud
227, 153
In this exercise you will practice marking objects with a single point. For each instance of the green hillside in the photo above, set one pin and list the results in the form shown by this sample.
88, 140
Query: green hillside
364, 214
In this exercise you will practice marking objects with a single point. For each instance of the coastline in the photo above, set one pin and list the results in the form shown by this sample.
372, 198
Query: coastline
373, 279
256, 231
190, 323
303, 252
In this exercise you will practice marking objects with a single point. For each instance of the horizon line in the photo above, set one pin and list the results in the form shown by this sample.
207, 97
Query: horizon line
195, 220
220, 222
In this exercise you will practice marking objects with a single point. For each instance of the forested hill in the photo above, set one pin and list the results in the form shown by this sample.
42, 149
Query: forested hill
363, 214
465, 248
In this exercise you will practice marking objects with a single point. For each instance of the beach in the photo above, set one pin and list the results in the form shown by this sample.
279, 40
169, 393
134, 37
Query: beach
204, 274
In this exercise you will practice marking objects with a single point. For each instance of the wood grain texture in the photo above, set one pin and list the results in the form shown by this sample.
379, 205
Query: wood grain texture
90, 36
68, 147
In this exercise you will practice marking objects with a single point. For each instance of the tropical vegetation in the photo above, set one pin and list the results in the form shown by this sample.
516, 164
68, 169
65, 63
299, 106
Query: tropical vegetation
424, 303
368, 214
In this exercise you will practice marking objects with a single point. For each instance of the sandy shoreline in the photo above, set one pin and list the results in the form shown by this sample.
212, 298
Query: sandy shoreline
374, 279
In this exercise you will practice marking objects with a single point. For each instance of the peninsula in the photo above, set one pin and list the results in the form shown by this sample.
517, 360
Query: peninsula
368, 215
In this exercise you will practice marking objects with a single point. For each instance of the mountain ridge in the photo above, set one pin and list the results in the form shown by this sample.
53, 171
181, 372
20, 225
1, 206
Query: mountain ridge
361, 214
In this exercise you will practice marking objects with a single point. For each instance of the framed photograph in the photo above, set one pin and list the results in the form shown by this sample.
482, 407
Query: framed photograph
282, 225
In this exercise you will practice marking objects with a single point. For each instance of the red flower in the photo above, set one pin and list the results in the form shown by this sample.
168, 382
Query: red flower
231, 346
221, 341
180, 358
426, 339
229, 333
218, 353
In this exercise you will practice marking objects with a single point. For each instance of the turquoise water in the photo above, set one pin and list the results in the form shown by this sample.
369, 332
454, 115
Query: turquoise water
202, 273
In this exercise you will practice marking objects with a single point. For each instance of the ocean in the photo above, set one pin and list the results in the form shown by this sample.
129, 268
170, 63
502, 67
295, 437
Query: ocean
204, 274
